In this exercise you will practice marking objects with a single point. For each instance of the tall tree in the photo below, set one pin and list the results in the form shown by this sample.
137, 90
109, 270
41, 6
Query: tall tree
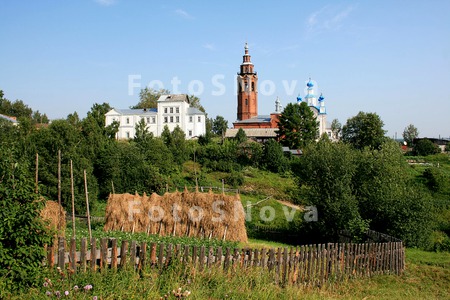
410, 133
195, 102
297, 126
325, 173
364, 130
219, 126
336, 128
148, 98
142, 131
241, 136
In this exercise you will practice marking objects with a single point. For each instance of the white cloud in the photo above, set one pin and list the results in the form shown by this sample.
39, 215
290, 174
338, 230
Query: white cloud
106, 2
184, 14
209, 46
328, 18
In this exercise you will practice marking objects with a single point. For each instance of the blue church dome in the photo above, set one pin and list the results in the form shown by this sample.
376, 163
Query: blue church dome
309, 84
299, 99
321, 98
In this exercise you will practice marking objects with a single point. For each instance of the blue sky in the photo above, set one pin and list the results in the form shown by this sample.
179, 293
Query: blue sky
388, 57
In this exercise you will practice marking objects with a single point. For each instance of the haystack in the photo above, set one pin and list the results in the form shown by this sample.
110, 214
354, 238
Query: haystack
205, 215
50, 214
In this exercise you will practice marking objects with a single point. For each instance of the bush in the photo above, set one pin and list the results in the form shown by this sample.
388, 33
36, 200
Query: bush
235, 179
426, 147
22, 232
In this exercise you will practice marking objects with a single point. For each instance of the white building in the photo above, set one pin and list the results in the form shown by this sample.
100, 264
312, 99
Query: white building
173, 111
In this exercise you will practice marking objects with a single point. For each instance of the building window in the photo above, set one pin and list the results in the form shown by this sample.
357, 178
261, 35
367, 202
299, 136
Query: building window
128, 120
177, 110
148, 120
253, 86
171, 119
128, 134
190, 119
165, 119
190, 132
246, 102
171, 110
153, 120
199, 119
178, 119
165, 110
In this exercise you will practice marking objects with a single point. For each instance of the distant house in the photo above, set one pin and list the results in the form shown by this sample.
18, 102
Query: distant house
172, 110
13, 120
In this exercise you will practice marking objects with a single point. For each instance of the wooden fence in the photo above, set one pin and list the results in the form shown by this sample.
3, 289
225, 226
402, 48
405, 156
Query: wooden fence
309, 264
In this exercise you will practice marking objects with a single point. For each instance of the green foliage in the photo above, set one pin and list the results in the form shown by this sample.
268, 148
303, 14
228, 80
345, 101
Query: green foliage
241, 136
273, 158
436, 180
22, 233
336, 128
194, 101
148, 98
219, 126
297, 126
325, 173
425, 147
352, 189
410, 133
234, 179
142, 132
364, 130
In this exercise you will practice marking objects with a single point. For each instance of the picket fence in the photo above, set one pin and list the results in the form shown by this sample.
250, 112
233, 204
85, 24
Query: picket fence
308, 264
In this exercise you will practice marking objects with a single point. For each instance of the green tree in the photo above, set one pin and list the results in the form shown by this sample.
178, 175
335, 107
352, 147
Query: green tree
148, 98
241, 136
142, 131
410, 133
297, 126
273, 158
325, 174
195, 102
426, 147
336, 128
219, 126
166, 136
22, 232
447, 147
364, 130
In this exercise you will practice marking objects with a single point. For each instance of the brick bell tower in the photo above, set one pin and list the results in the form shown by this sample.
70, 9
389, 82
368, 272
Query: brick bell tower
247, 94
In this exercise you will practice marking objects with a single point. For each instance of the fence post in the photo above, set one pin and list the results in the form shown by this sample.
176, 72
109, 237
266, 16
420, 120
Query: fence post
73, 255
103, 253
142, 254
114, 254
83, 254
123, 254
93, 254
61, 253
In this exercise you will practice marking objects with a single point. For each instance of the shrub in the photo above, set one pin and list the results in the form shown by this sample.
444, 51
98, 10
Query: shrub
23, 234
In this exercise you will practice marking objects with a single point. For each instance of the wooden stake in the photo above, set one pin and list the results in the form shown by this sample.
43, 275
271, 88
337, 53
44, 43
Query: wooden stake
73, 199
37, 173
87, 205
112, 186
59, 191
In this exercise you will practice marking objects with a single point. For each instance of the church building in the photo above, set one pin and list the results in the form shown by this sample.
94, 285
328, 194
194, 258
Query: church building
263, 127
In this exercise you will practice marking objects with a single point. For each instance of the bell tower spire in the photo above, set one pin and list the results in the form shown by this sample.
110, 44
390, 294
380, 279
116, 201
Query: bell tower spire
247, 93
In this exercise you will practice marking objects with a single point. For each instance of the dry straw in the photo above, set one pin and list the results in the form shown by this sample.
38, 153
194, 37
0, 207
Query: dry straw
204, 215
